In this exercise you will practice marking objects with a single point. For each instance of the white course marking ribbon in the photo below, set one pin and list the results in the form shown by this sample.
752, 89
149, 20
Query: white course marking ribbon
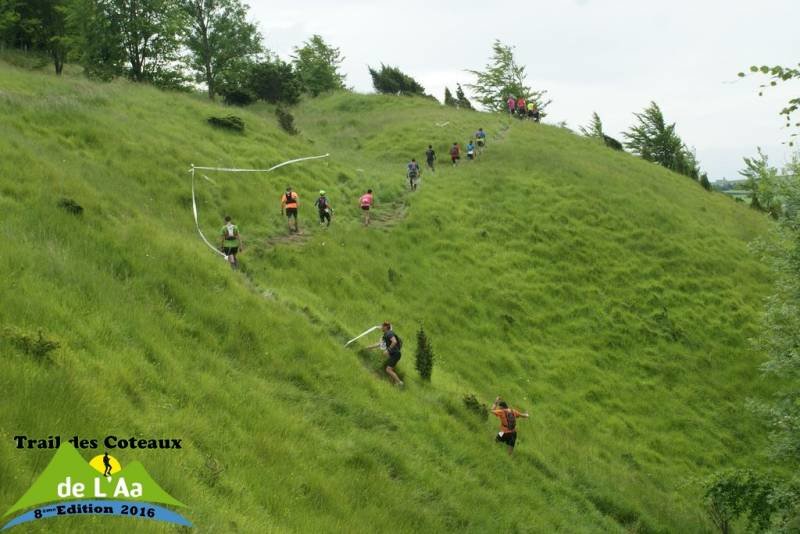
223, 169
362, 334
197, 224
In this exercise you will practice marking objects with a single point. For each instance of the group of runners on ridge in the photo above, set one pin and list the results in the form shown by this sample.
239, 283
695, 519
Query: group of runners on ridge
523, 109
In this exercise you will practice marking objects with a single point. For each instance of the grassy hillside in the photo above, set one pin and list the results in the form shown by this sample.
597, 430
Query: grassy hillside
610, 298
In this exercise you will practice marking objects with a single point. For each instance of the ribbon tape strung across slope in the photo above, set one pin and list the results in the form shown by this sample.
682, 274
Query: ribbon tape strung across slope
197, 224
223, 169
362, 334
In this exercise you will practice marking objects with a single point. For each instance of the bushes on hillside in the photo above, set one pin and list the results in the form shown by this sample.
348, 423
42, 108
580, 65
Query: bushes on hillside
38, 346
274, 81
70, 206
472, 404
231, 122
731, 494
424, 356
391, 80
286, 120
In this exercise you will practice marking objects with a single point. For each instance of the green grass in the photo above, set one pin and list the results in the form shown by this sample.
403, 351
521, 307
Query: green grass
612, 299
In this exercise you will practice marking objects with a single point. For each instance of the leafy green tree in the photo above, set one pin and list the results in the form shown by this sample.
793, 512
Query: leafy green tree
502, 77
595, 130
36, 25
274, 81
149, 32
219, 38
461, 99
764, 183
9, 22
655, 140
391, 80
705, 182
732, 494
317, 66
780, 337
448, 98
780, 74
94, 39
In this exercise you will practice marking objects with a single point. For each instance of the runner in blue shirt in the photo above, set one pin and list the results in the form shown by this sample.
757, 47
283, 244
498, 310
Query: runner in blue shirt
413, 173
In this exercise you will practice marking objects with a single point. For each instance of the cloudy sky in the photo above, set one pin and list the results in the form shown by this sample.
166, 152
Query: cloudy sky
609, 56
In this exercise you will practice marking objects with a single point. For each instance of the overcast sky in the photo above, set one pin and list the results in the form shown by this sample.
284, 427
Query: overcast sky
609, 56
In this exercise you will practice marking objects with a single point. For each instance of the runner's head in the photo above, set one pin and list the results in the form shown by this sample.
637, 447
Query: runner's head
227, 218
321, 193
502, 404
369, 191
430, 146
386, 326
413, 160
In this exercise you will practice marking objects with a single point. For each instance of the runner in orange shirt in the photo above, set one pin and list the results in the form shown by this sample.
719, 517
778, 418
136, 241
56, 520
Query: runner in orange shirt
289, 203
508, 423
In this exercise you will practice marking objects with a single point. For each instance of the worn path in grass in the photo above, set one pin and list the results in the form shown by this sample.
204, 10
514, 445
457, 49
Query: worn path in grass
610, 298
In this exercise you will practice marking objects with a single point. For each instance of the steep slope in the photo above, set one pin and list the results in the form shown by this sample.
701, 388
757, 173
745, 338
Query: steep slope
607, 296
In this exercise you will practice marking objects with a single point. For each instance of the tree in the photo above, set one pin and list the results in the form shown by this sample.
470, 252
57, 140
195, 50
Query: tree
36, 25
704, 182
461, 99
780, 74
655, 140
764, 183
595, 130
94, 39
780, 335
149, 33
274, 81
424, 355
503, 77
731, 494
219, 38
317, 66
391, 80
448, 98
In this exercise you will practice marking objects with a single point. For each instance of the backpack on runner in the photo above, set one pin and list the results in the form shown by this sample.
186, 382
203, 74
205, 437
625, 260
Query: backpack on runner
511, 420
322, 203
230, 232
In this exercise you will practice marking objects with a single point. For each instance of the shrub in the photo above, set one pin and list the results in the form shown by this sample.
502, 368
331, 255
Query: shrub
231, 122
391, 80
472, 404
274, 81
237, 96
734, 493
286, 120
70, 206
37, 346
425, 357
